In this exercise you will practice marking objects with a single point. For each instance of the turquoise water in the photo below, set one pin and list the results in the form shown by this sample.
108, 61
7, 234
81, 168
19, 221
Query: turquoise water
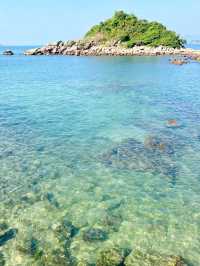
86, 140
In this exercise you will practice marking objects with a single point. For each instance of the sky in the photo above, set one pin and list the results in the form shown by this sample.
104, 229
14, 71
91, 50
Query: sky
34, 22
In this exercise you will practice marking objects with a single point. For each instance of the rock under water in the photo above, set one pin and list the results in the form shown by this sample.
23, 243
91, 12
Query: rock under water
111, 257
8, 235
138, 258
156, 155
95, 234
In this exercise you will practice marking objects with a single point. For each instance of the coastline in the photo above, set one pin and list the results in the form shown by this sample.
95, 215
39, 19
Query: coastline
90, 48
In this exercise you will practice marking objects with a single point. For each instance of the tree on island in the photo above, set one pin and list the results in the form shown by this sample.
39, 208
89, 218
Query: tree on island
131, 31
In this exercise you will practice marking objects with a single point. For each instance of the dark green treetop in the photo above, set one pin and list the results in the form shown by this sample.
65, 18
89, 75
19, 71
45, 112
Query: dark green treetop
131, 31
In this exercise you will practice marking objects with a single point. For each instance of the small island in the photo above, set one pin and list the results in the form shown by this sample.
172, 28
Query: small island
122, 35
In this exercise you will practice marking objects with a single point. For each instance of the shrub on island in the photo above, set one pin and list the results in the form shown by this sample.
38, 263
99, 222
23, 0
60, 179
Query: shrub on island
131, 31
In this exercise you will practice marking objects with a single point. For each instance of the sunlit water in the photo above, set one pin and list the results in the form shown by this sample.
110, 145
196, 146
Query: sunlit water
69, 127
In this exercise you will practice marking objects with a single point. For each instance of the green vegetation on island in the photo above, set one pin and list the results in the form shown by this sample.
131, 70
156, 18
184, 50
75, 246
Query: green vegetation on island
131, 31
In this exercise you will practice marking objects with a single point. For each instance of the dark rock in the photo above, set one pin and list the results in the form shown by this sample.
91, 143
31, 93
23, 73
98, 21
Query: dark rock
8, 52
8, 235
64, 231
95, 234
68, 226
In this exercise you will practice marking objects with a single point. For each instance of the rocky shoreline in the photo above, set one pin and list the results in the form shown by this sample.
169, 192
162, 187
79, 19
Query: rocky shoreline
92, 48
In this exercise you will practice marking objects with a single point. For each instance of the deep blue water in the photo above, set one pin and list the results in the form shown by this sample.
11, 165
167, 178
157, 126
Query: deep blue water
87, 139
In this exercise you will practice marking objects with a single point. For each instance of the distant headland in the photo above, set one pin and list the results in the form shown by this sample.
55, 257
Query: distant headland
123, 34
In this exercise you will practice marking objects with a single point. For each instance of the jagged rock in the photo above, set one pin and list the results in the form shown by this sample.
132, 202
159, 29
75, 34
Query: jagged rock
137, 258
95, 234
69, 43
90, 47
35, 51
8, 52
110, 257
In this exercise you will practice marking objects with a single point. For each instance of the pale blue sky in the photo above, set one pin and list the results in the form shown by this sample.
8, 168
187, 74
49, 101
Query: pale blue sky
42, 21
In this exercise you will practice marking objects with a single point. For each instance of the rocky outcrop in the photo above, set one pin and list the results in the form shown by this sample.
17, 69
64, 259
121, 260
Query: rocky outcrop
8, 52
93, 48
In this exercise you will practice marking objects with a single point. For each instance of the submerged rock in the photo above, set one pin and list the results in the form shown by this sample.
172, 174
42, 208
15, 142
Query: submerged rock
83, 263
8, 235
156, 155
173, 123
3, 226
159, 145
51, 199
112, 221
2, 259
30, 198
138, 258
110, 257
56, 257
30, 246
65, 231
95, 234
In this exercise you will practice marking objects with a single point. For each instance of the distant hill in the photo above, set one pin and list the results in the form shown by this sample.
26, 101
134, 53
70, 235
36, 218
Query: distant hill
131, 31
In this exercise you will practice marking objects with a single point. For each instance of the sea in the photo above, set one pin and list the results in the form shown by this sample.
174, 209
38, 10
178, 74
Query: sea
97, 155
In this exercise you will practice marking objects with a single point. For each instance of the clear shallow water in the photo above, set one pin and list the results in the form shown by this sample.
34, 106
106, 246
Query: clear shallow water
74, 145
